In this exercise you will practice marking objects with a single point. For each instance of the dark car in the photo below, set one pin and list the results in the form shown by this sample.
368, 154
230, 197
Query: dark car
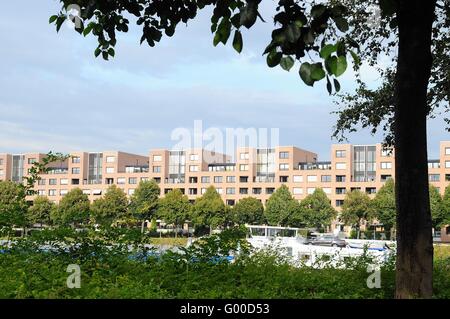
326, 240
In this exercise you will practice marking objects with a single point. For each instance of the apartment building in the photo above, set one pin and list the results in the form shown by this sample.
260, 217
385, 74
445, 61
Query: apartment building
254, 172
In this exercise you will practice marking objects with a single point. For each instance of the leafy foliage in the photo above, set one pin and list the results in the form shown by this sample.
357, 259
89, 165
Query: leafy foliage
111, 207
174, 207
316, 210
209, 209
356, 208
144, 201
437, 208
383, 205
40, 211
249, 210
281, 207
13, 206
73, 209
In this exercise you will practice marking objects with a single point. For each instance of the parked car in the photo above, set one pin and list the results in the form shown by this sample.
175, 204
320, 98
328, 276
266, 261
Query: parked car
326, 240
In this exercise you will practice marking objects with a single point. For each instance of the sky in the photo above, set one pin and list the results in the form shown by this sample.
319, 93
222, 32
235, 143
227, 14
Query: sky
56, 96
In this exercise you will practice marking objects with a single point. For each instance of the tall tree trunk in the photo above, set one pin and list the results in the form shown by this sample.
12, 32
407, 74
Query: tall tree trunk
414, 270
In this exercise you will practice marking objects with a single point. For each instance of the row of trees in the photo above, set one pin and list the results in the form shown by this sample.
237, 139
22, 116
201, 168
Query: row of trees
282, 208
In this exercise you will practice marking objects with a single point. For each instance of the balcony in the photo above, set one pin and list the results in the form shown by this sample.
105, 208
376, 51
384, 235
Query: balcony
57, 170
137, 169
264, 179
312, 166
174, 180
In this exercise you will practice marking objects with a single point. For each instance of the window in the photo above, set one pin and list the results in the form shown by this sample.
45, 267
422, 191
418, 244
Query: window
231, 179
257, 190
434, 177
205, 179
339, 202
63, 192
131, 191
231, 190
371, 190
157, 158
447, 151
326, 190
96, 192
75, 170
244, 156
218, 179
341, 190
325, 178
41, 192
52, 181
31, 160
76, 160
156, 169
219, 190
311, 178
284, 167
270, 190
110, 170
447, 164
298, 179
1, 161
297, 191
340, 178
41, 181
284, 179
243, 191
193, 157
75, 181
341, 166
192, 191
310, 190
121, 180
203, 190
447, 177
110, 159
434, 164
52, 192
64, 181
193, 168
132, 180
385, 177
385, 152
284, 154
243, 167
243, 179
340, 153
2, 172
386, 165
145, 179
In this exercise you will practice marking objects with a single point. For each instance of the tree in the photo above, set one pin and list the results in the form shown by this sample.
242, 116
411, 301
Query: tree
13, 206
437, 208
328, 32
144, 201
111, 207
40, 211
73, 209
209, 209
356, 209
249, 210
174, 208
281, 207
316, 210
446, 205
383, 205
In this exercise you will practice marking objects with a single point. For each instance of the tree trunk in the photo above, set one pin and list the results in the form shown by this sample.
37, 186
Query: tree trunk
414, 269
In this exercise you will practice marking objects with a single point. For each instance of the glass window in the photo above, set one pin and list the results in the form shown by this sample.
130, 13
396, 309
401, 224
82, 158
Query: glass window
2, 172
205, 179
156, 169
1, 161
434, 177
325, 178
76, 160
110, 159
121, 180
340, 178
157, 158
326, 190
52, 181
310, 190
52, 192
193, 168
243, 167
31, 160
340, 153
231, 179
447, 151
297, 190
132, 180
341, 165
64, 181
110, 170
131, 191
63, 192
311, 178
75, 170
219, 190
244, 156
193, 157
218, 179
447, 164
386, 165
284, 167
298, 179
231, 190
284, 154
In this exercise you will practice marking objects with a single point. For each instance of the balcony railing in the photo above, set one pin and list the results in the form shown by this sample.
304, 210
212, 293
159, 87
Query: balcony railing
312, 166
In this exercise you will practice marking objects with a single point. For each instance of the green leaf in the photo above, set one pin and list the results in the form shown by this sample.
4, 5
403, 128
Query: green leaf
331, 64
216, 39
337, 85
237, 41
273, 58
387, 7
318, 10
317, 72
52, 19
248, 15
97, 52
329, 88
287, 63
111, 52
341, 65
305, 73
355, 57
59, 22
326, 51
105, 55
341, 24
88, 28
293, 32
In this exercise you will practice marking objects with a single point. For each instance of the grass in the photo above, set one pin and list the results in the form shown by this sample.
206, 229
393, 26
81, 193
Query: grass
441, 251
170, 241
